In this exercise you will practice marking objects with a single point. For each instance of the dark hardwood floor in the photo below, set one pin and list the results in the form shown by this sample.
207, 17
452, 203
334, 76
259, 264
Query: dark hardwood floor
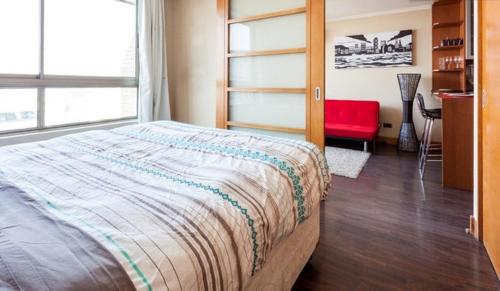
387, 231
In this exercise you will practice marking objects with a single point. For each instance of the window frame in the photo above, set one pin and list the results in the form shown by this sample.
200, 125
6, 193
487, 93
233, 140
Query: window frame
42, 81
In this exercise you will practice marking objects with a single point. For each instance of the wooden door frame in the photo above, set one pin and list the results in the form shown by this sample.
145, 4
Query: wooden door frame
222, 41
484, 96
315, 59
316, 130
478, 225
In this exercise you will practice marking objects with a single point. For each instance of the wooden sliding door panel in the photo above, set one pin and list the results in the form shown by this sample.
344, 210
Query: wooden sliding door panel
270, 83
490, 74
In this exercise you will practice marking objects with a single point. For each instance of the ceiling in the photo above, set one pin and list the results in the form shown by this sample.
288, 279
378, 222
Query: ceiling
336, 9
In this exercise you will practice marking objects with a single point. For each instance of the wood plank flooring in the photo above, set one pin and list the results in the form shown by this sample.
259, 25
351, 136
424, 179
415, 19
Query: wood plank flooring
387, 231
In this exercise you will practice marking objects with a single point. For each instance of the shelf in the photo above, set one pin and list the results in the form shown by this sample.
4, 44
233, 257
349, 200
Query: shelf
443, 3
438, 91
447, 24
448, 71
450, 47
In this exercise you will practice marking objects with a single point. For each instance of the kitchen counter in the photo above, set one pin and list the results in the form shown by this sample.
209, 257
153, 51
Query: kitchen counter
458, 140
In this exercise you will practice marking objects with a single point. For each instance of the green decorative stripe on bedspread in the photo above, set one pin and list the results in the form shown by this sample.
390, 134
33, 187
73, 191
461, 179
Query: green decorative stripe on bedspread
234, 151
154, 172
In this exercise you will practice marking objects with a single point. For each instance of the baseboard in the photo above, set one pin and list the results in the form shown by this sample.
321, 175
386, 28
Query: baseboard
387, 140
472, 229
393, 140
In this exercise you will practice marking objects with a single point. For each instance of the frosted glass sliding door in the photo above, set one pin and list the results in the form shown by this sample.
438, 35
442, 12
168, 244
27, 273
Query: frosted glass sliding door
269, 34
276, 71
267, 64
265, 80
283, 110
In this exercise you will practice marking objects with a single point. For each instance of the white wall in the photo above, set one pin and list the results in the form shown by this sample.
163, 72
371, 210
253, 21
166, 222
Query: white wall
381, 83
192, 65
191, 60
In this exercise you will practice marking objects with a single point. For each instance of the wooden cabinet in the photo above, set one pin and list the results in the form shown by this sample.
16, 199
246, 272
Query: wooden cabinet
448, 23
458, 141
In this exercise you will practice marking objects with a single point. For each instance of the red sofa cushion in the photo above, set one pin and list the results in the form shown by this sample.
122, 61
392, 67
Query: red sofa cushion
352, 119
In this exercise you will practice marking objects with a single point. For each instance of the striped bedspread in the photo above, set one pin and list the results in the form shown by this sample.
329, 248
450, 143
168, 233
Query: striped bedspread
157, 206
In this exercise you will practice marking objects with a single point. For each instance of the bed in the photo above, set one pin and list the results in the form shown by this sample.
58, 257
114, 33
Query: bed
159, 206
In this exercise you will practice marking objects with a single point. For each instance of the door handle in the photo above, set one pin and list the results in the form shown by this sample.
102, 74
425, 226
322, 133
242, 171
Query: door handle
317, 94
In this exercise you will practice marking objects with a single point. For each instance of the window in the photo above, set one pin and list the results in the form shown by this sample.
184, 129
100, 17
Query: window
66, 62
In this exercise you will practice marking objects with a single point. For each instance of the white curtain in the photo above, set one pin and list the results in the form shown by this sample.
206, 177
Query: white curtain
154, 103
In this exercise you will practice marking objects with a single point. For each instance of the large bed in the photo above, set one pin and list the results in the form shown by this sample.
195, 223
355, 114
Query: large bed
159, 206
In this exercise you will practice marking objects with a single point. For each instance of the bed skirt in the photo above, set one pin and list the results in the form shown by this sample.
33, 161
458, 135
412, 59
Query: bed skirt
287, 260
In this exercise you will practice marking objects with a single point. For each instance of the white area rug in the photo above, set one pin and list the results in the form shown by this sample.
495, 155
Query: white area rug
346, 162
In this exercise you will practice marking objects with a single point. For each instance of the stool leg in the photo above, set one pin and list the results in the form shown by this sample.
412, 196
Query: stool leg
428, 145
424, 143
422, 140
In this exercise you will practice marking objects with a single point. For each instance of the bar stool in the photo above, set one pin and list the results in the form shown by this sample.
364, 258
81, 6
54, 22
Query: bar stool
426, 145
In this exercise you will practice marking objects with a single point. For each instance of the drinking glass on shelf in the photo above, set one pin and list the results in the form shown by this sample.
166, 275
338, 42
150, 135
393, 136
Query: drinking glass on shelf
447, 62
456, 61
442, 64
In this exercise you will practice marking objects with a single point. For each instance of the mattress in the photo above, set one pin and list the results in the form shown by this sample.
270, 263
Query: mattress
156, 206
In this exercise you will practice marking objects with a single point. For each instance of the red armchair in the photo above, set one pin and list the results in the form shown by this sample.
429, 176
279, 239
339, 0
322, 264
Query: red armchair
352, 119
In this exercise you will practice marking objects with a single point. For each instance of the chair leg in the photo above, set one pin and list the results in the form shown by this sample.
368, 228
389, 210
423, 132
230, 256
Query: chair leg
374, 146
365, 146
